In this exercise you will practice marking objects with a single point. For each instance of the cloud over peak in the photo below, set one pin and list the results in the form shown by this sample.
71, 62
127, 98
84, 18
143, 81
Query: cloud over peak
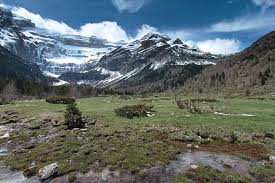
44, 23
106, 30
113, 32
110, 31
220, 46
131, 6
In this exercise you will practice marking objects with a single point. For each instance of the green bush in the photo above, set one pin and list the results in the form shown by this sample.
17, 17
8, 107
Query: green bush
140, 110
60, 100
73, 117
124, 97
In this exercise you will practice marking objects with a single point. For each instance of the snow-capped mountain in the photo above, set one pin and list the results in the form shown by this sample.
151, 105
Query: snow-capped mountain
154, 60
156, 51
151, 59
53, 52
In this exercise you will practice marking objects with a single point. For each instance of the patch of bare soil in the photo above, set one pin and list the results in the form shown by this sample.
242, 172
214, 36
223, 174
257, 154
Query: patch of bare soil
251, 151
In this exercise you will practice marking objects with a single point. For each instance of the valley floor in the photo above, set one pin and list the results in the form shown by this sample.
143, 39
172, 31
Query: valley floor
233, 143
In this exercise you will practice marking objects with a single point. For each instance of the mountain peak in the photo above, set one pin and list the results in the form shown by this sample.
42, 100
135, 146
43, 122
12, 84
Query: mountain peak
178, 41
155, 36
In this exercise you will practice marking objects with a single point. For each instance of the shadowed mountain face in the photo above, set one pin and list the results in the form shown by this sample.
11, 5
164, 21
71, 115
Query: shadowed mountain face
251, 70
13, 67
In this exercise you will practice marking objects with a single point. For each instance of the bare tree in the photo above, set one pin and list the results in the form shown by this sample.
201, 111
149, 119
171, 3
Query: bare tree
9, 92
73, 91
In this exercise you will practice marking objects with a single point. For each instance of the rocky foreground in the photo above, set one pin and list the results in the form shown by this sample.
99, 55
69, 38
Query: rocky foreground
41, 148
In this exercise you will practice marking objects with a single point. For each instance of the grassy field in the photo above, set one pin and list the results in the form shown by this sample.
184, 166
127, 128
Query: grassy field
130, 145
167, 112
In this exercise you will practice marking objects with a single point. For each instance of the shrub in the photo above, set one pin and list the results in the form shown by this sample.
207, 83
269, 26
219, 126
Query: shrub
140, 110
124, 97
196, 105
60, 100
233, 137
3, 101
192, 106
73, 117
72, 177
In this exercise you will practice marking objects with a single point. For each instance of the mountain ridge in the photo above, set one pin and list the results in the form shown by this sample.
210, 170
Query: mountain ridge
150, 55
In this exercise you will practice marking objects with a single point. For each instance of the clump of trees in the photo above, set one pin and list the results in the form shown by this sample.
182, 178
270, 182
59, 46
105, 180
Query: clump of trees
22, 89
8, 94
140, 110
73, 117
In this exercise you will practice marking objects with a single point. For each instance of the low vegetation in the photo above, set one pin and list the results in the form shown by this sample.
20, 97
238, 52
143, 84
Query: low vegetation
263, 173
196, 105
60, 100
124, 97
131, 145
140, 110
206, 174
3, 101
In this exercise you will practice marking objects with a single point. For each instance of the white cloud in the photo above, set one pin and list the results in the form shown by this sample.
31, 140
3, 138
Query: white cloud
113, 32
245, 23
264, 3
220, 46
43, 23
106, 30
183, 34
145, 29
131, 6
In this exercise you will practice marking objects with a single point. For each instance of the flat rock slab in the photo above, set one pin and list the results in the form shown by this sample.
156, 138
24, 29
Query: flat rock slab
49, 171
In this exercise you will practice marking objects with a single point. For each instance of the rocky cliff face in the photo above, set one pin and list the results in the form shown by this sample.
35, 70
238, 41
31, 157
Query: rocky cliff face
154, 62
15, 68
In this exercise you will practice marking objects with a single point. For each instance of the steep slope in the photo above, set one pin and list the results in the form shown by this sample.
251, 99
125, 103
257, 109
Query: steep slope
13, 67
154, 50
250, 71
53, 52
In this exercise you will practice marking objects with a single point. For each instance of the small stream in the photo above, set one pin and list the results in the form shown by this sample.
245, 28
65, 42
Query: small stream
218, 161
7, 176
3, 151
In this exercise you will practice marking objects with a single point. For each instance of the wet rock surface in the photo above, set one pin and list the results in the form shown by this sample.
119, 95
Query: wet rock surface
7, 176
217, 161
183, 162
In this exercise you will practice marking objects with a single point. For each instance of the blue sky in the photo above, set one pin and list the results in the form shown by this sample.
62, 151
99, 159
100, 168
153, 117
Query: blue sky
217, 26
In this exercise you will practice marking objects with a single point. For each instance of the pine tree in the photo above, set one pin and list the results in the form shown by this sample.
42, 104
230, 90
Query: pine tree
73, 117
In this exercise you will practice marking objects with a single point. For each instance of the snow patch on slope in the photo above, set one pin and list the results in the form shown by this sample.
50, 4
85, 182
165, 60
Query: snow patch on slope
6, 38
49, 74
